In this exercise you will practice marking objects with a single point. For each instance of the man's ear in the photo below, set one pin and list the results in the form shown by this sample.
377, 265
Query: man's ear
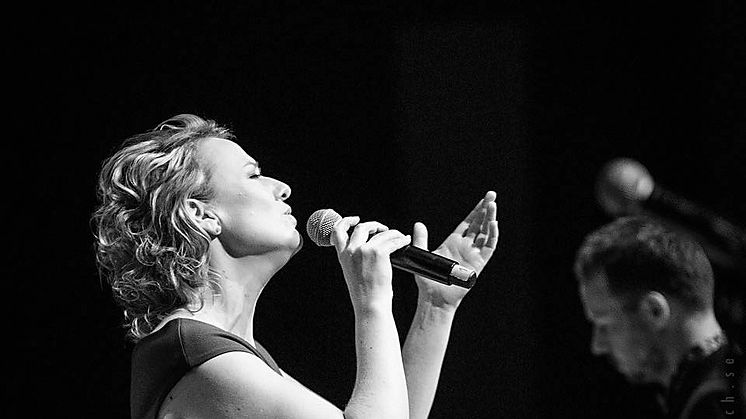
655, 309
203, 216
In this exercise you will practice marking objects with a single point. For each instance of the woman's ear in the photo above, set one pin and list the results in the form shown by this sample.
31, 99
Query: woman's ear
203, 216
655, 309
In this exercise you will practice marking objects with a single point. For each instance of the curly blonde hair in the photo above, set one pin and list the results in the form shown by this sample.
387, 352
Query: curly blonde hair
148, 249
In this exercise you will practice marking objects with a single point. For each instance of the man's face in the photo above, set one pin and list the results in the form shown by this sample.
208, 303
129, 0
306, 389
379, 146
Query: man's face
631, 345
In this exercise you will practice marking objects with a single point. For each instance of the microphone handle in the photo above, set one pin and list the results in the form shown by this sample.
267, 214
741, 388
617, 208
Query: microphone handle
435, 267
723, 241
715, 228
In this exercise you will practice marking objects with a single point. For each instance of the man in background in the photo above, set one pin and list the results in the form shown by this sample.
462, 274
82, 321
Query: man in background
648, 292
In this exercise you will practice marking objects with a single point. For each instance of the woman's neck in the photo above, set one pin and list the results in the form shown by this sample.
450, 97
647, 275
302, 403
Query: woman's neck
231, 304
231, 307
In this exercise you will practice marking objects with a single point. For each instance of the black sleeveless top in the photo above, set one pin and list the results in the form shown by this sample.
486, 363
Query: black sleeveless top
161, 359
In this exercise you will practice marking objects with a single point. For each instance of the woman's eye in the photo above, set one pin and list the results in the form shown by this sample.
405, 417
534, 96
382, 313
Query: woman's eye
256, 174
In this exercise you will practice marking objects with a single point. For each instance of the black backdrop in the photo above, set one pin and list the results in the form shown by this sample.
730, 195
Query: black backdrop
399, 114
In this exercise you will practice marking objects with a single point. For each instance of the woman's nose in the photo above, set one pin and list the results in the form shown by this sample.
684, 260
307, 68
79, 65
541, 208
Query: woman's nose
281, 189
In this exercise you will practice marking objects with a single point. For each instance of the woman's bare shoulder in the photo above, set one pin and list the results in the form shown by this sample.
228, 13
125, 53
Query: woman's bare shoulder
237, 385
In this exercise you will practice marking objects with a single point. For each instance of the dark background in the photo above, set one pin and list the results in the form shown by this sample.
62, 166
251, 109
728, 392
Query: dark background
396, 113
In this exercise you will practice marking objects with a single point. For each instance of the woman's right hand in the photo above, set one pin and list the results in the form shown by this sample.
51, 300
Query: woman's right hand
365, 259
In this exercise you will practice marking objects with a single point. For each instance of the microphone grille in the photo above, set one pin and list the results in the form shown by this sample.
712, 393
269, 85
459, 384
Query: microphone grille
622, 185
320, 225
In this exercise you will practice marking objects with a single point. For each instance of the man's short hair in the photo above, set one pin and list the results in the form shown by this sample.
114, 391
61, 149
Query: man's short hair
638, 255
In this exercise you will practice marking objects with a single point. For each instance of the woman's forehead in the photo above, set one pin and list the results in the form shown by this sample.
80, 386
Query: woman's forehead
222, 152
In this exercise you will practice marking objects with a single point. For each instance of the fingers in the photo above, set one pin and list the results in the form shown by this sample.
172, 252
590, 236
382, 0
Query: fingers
473, 222
493, 233
363, 231
489, 216
387, 242
370, 234
339, 233
490, 196
479, 225
475, 225
419, 236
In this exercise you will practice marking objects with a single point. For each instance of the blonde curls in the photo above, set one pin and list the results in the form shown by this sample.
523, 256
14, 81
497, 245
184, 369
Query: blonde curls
151, 253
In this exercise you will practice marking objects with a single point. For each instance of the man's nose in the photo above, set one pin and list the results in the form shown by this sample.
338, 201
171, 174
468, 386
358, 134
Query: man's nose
599, 343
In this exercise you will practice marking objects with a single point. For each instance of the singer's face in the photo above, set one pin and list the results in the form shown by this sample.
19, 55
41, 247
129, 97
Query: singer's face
253, 216
622, 335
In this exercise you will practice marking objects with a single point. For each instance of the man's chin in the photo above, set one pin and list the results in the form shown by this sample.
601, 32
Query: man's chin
640, 378
632, 377
637, 378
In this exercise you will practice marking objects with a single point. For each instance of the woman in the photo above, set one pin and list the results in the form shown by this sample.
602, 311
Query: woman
188, 234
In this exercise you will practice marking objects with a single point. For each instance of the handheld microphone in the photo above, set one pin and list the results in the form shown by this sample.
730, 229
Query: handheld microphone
625, 187
409, 258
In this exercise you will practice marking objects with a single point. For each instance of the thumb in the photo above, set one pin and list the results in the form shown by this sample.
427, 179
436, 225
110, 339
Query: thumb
419, 236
